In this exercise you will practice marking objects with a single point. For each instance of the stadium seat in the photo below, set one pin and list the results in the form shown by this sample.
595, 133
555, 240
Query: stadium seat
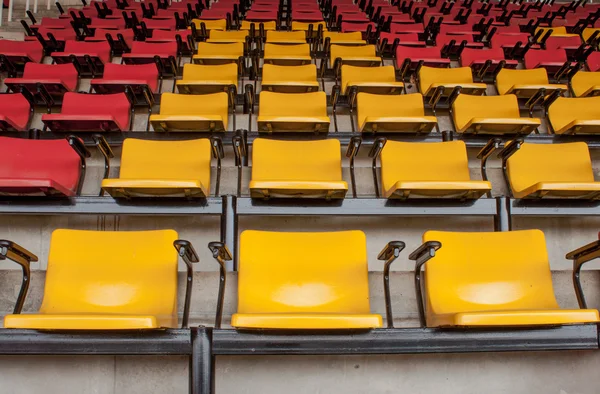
265, 25
428, 169
293, 112
286, 37
146, 52
533, 171
363, 55
287, 55
20, 52
57, 79
216, 24
575, 115
490, 114
329, 272
46, 167
215, 54
92, 112
432, 79
15, 112
586, 83
297, 169
485, 62
526, 83
397, 113
116, 280
120, 40
378, 80
338, 38
593, 61
141, 78
91, 56
550, 59
408, 58
289, 79
207, 112
511, 286
162, 169
227, 36
201, 79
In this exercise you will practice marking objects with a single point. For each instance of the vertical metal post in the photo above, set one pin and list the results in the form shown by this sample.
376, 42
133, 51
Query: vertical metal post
502, 220
11, 4
229, 229
202, 367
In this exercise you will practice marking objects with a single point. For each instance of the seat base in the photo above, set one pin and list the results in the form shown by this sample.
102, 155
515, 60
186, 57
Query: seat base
294, 189
305, 321
270, 124
6, 124
526, 91
523, 318
290, 86
501, 126
216, 60
154, 188
204, 87
82, 122
475, 89
461, 190
81, 322
580, 127
417, 124
376, 87
187, 123
289, 60
10, 186
587, 190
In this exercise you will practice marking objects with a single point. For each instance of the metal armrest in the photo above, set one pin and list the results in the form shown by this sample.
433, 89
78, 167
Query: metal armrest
484, 155
509, 149
218, 153
188, 254
353, 148
78, 146
240, 149
374, 153
106, 152
389, 254
581, 256
14, 252
221, 254
423, 254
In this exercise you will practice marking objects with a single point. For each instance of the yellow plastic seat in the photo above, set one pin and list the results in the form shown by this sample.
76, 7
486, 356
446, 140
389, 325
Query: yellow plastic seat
293, 112
267, 25
107, 280
492, 279
560, 31
297, 169
552, 171
401, 113
362, 56
491, 115
525, 83
207, 112
201, 79
216, 54
428, 169
162, 169
211, 24
287, 55
286, 37
586, 83
322, 283
227, 36
431, 78
575, 115
290, 79
352, 38
587, 33
378, 80
304, 26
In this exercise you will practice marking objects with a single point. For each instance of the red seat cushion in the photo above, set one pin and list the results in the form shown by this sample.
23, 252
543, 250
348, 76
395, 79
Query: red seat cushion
593, 61
130, 74
431, 56
53, 23
411, 39
100, 50
15, 110
168, 36
29, 49
472, 56
406, 28
65, 74
300, 16
548, 57
253, 15
30, 166
509, 40
160, 24
151, 49
556, 42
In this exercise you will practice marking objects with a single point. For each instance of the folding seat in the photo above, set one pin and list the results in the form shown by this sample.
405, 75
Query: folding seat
513, 281
338, 294
293, 169
559, 170
14, 55
215, 54
158, 24
563, 42
210, 24
215, 13
550, 59
338, 38
287, 55
106, 23
91, 56
485, 62
117, 280
162, 169
364, 56
55, 79
142, 79
593, 61
92, 112
306, 26
206, 112
310, 16
408, 59
229, 36
387, 41
490, 114
526, 83
513, 45
289, 79
16, 110
286, 37
458, 41
293, 112
586, 83
575, 115
262, 16
589, 33
145, 52
42, 167
397, 113
363, 27
52, 40
378, 80
120, 41
428, 170
201, 79
434, 81
556, 31
52, 23
407, 28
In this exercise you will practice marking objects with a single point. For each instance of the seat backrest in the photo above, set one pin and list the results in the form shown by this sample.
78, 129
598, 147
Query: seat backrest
423, 161
87, 47
378, 105
507, 78
584, 80
354, 74
535, 57
217, 49
22, 158
335, 36
470, 55
195, 105
360, 51
112, 272
510, 40
432, 75
143, 72
534, 163
304, 73
417, 53
199, 72
293, 104
565, 110
406, 27
488, 271
233, 35
50, 71
275, 50
555, 42
273, 35
162, 49
85, 104
146, 159
283, 272
318, 161
467, 107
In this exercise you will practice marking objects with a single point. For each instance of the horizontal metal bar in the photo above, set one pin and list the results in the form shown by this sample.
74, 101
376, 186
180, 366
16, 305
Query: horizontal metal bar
365, 207
406, 340
109, 206
157, 342
554, 208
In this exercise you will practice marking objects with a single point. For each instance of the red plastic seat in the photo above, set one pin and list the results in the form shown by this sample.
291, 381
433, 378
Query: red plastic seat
91, 112
348, 27
99, 52
430, 56
58, 34
593, 61
550, 59
353, 16
261, 16
397, 28
15, 112
100, 35
144, 52
160, 24
562, 42
107, 23
476, 59
38, 166
509, 40
117, 76
53, 23
21, 52
445, 39
456, 29
56, 78
301, 16
168, 36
